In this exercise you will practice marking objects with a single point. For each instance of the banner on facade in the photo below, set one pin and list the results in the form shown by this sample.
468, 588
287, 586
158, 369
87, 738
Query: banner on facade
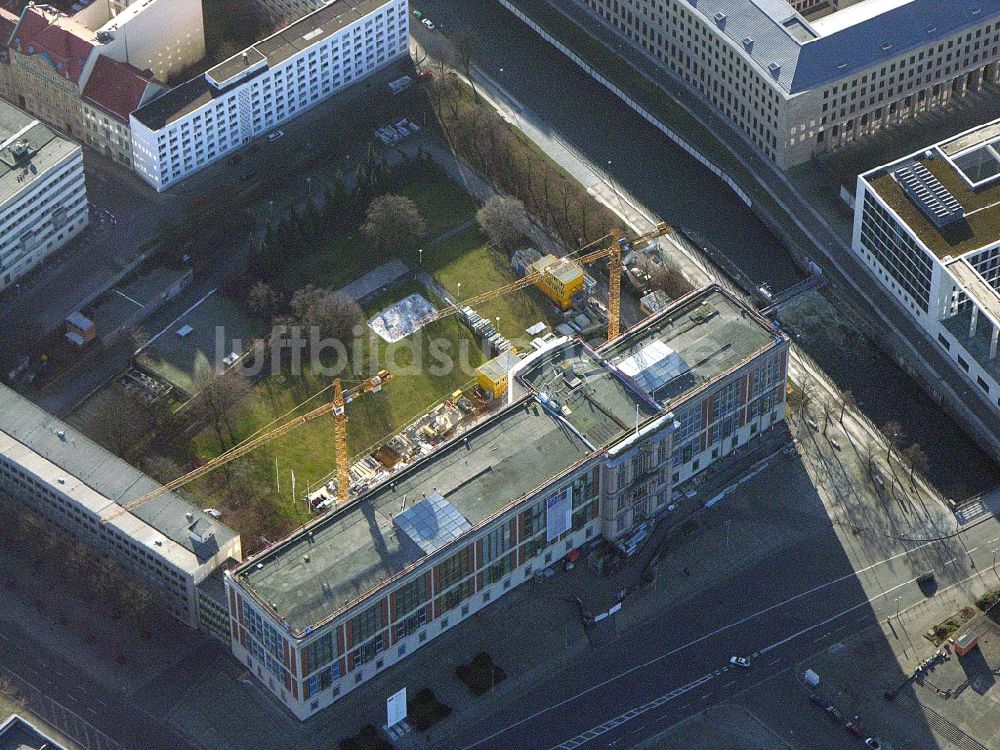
558, 514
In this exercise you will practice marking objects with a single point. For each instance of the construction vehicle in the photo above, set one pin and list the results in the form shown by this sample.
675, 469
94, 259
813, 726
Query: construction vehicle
613, 252
340, 398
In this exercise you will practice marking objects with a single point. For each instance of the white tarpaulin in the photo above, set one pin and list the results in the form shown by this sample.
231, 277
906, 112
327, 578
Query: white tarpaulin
558, 514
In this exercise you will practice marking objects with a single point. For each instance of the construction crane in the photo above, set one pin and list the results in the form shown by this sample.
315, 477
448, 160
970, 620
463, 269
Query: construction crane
341, 397
613, 252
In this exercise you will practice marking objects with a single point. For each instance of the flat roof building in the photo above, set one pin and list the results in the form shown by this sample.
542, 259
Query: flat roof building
798, 78
266, 84
62, 475
928, 227
43, 198
586, 445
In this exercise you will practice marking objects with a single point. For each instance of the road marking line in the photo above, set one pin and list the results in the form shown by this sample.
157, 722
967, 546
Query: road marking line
617, 721
4, 637
865, 603
706, 696
92, 711
720, 629
772, 663
731, 682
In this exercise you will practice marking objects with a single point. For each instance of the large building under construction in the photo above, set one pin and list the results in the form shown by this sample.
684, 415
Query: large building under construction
591, 443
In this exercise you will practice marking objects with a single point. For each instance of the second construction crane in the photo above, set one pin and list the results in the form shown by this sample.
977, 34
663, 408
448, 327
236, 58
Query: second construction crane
341, 397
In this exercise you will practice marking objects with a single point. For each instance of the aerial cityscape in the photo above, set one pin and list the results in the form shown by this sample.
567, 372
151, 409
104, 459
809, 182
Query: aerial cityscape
499, 374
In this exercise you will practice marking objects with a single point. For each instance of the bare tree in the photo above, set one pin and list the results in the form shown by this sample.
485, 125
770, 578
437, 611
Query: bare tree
917, 460
332, 314
263, 301
826, 408
663, 276
846, 402
466, 44
505, 221
892, 431
871, 459
393, 223
219, 396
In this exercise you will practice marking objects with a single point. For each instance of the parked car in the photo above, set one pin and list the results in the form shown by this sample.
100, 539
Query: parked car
428, 23
873, 743
739, 661
425, 75
272, 137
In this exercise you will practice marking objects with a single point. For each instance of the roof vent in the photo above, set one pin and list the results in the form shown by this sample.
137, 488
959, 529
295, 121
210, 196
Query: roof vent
747, 43
775, 69
976, 11
931, 29
841, 65
61, 480
158, 542
720, 19
189, 516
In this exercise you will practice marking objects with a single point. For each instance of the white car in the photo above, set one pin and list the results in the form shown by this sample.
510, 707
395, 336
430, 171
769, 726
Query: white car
272, 137
739, 661
873, 743
428, 23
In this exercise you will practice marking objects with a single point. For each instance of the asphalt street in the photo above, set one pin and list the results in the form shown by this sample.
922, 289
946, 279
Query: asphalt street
115, 715
777, 612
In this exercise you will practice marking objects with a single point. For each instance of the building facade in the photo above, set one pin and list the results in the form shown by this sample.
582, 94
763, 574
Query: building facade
589, 445
928, 228
267, 84
113, 91
57, 472
48, 59
43, 197
798, 80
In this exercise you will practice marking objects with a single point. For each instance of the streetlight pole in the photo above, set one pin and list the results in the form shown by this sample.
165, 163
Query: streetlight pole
621, 203
420, 256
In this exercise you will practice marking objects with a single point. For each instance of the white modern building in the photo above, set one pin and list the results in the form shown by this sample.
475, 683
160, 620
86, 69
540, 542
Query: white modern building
56, 471
928, 227
275, 80
43, 198
799, 78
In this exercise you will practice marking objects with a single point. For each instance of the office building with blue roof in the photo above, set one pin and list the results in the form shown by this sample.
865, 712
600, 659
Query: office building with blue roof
804, 77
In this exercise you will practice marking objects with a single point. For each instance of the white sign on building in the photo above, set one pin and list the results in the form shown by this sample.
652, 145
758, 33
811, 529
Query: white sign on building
395, 708
558, 514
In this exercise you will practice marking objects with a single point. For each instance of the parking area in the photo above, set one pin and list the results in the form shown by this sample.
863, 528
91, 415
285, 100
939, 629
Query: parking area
203, 337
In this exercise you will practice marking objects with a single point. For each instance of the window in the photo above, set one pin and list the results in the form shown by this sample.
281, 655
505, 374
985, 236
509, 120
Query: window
944, 342
411, 595
456, 567
369, 622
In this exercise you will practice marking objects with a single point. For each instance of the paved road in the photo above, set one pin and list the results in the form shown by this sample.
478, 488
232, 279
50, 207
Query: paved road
67, 685
778, 611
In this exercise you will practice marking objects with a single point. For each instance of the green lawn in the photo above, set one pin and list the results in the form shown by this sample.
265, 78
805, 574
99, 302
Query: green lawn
466, 259
343, 256
422, 378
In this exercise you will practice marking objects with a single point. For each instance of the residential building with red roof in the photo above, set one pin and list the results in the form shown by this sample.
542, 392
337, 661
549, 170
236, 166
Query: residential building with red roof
113, 91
